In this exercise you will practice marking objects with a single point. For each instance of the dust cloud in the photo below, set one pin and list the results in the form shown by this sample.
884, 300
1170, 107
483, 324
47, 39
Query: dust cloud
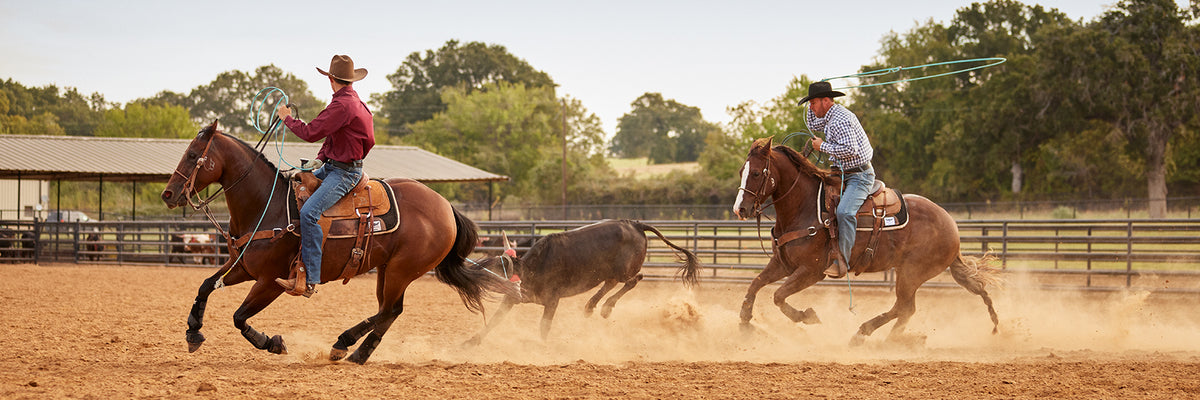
661, 321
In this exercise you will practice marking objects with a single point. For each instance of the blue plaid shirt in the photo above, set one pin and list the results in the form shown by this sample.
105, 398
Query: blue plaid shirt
845, 138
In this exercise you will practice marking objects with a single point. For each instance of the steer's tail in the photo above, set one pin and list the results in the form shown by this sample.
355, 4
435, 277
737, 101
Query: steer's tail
471, 282
691, 264
974, 274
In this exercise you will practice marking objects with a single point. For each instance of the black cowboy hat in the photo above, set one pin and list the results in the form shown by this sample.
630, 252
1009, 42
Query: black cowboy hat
820, 89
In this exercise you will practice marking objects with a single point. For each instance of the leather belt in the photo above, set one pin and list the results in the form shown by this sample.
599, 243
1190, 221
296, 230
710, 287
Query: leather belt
857, 169
346, 166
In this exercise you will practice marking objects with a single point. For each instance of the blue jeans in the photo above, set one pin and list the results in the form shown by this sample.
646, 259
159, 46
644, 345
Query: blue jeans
337, 182
858, 186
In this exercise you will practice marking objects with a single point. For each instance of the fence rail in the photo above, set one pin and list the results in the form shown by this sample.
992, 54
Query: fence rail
1156, 255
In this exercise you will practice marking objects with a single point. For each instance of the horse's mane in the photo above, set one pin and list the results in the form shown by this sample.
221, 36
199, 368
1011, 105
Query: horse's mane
262, 157
802, 163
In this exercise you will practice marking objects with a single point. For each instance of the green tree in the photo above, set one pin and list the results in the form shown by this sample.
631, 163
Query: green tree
997, 138
1134, 68
904, 121
419, 82
666, 131
585, 157
73, 113
509, 129
137, 120
42, 124
229, 97
724, 152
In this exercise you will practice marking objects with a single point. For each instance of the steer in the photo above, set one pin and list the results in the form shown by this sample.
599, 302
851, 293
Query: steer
568, 263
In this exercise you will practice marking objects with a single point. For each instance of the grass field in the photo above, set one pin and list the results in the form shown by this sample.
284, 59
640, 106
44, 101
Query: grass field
641, 168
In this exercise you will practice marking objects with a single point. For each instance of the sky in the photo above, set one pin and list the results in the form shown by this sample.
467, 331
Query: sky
707, 54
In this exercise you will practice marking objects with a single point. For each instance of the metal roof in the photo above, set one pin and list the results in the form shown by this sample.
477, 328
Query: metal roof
153, 160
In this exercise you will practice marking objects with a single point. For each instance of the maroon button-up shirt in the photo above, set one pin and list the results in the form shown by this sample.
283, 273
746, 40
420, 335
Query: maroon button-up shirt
345, 125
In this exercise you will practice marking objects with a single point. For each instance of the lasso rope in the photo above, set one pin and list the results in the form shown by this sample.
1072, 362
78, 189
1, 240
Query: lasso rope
885, 71
272, 128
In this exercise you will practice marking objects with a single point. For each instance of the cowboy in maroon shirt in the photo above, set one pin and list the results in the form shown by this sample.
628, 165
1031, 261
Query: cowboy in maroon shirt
349, 135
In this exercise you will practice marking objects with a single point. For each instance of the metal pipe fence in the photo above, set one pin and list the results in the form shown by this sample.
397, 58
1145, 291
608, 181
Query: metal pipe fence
1133, 254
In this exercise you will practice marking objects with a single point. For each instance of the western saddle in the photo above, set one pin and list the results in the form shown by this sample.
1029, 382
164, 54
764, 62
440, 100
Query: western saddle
883, 210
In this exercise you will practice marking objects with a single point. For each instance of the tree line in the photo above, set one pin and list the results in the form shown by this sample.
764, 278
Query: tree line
1103, 108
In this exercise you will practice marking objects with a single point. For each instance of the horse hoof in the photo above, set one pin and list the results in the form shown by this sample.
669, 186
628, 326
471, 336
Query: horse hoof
337, 354
810, 317
913, 341
747, 328
472, 342
858, 339
277, 346
357, 358
192, 347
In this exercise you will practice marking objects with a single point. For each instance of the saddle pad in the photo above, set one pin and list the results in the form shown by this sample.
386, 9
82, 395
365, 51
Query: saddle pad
346, 225
891, 222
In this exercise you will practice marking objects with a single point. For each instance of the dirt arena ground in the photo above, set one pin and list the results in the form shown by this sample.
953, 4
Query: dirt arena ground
102, 332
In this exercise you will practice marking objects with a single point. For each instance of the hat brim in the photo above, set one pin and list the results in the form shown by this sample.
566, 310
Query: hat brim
831, 94
359, 74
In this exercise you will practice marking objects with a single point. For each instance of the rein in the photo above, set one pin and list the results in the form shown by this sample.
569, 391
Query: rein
190, 183
759, 206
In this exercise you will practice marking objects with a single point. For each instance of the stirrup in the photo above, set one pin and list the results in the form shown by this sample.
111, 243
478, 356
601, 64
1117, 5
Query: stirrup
836, 270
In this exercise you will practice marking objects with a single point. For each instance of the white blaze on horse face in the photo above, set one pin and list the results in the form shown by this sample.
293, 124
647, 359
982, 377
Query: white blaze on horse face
737, 203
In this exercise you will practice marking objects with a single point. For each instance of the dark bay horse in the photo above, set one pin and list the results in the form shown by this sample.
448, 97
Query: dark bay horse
920, 251
432, 236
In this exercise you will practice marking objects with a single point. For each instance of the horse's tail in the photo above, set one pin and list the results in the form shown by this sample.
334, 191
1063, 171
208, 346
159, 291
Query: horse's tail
691, 265
471, 282
974, 274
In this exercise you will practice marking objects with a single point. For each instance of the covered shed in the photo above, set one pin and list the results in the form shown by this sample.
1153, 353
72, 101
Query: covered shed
73, 158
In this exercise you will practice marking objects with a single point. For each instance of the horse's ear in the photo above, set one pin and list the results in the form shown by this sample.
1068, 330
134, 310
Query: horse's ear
762, 143
208, 130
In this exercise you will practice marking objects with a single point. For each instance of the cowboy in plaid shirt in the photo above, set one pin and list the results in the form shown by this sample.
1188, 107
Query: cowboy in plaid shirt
847, 142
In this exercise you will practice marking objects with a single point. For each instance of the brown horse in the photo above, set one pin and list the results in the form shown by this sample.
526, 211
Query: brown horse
918, 252
432, 236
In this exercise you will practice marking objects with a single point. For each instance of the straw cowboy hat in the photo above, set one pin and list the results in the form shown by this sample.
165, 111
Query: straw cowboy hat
342, 67
820, 89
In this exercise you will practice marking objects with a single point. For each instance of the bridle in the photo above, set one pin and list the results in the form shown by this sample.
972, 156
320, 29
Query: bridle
189, 188
759, 205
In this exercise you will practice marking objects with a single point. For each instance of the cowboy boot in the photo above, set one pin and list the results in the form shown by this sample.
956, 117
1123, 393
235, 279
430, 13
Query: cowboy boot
838, 268
297, 285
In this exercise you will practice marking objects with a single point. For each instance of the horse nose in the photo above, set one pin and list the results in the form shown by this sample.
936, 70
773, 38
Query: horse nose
738, 211
166, 195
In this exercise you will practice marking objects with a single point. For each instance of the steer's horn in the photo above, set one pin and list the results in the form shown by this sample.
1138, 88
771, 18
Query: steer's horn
508, 250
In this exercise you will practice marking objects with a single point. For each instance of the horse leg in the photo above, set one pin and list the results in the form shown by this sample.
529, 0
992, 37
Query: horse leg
350, 337
612, 301
508, 304
902, 310
551, 306
774, 271
390, 291
591, 304
261, 295
382, 321
196, 316
801, 279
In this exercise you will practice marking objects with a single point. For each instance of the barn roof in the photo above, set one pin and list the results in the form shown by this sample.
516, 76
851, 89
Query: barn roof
153, 160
